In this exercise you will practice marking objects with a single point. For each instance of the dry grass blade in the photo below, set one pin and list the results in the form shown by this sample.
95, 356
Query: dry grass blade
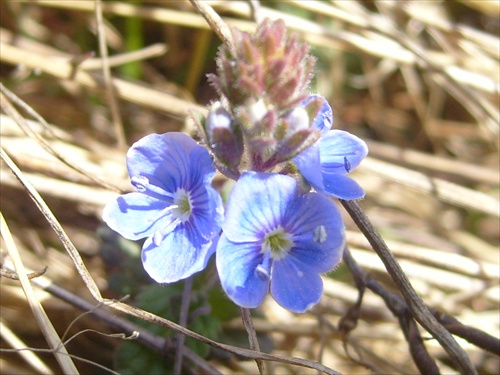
444, 190
43, 320
23, 124
214, 20
30, 357
72, 251
110, 90
439, 259
126, 90
423, 161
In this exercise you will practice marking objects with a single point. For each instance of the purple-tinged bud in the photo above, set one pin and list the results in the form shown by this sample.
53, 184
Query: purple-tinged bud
264, 78
257, 111
292, 146
218, 117
224, 137
257, 119
297, 119
267, 65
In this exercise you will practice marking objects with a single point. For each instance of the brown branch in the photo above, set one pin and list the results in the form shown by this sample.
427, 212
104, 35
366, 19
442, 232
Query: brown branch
246, 318
14, 276
424, 362
417, 307
186, 300
161, 345
473, 335
216, 23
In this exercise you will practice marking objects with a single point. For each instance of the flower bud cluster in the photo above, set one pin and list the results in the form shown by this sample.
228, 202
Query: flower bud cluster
262, 81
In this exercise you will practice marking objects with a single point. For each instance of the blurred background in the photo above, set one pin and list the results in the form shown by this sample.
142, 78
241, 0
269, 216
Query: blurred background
418, 80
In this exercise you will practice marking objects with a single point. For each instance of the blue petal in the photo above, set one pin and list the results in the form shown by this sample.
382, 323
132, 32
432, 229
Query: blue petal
341, 152
237, 266
324, 119
164, 159
207, 210
256, 205
202, 166
217, 208
308, 163
295, 286
318, 232
179, 255
136, 215
342, 187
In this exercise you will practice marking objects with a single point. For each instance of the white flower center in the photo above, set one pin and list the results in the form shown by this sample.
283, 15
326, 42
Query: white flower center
183, 205
278, 242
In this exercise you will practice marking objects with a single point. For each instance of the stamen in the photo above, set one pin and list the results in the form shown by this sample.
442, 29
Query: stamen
167, 211
140, 183
143, 185
161, 233
262, 270
262, 273
296, 269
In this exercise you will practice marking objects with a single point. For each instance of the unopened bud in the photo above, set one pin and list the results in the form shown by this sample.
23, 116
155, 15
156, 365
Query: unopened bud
257, 111
224, 136
297, 119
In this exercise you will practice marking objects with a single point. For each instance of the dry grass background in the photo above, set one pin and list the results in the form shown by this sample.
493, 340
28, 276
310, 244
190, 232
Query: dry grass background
419, 80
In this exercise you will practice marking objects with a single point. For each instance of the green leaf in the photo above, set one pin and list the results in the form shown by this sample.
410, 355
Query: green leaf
133, 358
222, 307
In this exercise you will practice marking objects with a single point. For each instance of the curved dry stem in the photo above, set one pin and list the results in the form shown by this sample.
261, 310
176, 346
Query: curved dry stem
246, 317
110, 90
7, 106
60, 352
419, 310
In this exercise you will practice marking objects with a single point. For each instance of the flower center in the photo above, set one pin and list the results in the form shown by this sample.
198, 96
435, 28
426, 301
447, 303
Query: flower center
183, 205
278, 242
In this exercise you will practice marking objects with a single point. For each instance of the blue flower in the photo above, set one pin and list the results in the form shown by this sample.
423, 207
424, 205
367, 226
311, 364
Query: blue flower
277, 238
337, 153
175, 206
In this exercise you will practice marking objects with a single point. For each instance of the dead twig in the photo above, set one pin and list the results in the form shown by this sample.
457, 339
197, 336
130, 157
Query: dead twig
419, 310
110, 90
421, 357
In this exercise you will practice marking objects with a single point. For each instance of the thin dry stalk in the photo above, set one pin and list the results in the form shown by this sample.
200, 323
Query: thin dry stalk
43, 320
419, 310
106, 72
30, 357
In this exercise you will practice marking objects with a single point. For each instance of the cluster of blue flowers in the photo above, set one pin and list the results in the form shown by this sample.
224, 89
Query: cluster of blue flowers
280, 228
